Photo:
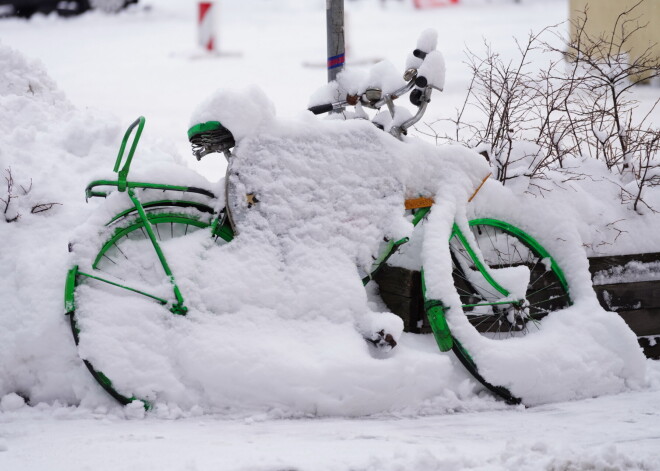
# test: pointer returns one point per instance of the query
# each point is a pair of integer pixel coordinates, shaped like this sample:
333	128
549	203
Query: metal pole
335	30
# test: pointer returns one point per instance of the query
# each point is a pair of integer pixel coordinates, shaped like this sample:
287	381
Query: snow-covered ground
424	411
608	433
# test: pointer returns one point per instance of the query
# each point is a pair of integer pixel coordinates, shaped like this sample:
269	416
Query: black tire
509	253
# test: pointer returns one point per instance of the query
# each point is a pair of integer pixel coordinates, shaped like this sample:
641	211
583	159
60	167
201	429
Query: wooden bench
623	284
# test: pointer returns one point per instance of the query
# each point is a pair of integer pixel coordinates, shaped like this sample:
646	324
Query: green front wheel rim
480	273
505	248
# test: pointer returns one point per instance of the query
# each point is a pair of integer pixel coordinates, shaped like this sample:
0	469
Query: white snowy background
61	120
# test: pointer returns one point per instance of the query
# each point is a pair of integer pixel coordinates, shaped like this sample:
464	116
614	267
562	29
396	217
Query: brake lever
394	95
423	101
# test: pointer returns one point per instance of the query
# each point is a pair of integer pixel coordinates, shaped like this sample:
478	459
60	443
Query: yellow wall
602	15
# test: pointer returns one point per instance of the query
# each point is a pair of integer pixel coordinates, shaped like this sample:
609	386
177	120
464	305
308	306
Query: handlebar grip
421	81
419	54
416	97
319	109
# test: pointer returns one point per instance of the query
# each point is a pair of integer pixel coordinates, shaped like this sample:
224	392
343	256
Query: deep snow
608	433
43	122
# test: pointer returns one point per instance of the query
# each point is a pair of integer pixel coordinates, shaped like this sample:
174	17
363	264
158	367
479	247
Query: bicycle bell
410	74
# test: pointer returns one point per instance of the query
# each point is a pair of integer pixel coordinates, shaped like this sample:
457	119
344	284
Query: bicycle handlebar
123	173
419	84
326	108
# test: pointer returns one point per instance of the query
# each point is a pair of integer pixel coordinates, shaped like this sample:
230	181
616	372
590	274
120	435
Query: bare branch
41	207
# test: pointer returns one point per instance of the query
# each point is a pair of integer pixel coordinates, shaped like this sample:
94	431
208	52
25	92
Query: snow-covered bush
277	317
580	104
17	198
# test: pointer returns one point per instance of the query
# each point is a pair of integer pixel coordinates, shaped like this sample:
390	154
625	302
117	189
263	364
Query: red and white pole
206	25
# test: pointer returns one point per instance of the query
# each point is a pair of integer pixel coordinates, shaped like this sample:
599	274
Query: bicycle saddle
209	137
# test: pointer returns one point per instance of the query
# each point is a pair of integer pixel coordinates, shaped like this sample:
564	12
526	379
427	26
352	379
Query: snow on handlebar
432	71
427	42
425	72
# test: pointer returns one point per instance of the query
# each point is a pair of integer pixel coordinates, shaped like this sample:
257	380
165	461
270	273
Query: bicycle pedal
251	199
383	341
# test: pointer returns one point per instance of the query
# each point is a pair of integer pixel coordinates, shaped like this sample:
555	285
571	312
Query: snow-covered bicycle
507	282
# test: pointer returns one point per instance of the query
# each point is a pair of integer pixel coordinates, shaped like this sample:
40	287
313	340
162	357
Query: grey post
335	31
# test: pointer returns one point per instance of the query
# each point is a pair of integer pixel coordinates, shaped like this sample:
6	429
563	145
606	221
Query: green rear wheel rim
74	280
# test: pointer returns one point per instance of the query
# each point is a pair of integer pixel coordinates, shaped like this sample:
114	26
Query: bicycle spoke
529	295
516	250
108	258
494	246
553	300
501	250
545	274
533	267
485	288
119	285
463	253
490	319
120	250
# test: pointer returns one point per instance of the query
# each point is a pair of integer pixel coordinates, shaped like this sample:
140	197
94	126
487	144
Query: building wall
602	15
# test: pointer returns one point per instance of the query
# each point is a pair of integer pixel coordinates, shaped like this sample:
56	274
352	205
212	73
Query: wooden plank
651	351
643	321
401	290
399	281
629	296
597	264
401	306
638	303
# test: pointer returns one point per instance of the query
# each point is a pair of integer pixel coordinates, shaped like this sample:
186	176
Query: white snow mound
276	317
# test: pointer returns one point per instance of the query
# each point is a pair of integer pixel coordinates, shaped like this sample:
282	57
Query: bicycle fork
178	308
435	309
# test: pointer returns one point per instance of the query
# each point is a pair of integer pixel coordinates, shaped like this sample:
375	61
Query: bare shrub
579	104
14	191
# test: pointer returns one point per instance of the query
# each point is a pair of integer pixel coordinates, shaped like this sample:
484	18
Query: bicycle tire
128	251
502	247
510	254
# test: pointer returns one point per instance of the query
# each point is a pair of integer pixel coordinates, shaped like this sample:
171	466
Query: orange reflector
479	188
417	203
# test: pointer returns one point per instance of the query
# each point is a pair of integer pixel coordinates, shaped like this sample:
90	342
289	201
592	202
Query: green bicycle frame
221	227
435	309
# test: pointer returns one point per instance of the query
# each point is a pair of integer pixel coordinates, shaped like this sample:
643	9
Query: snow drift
277	315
